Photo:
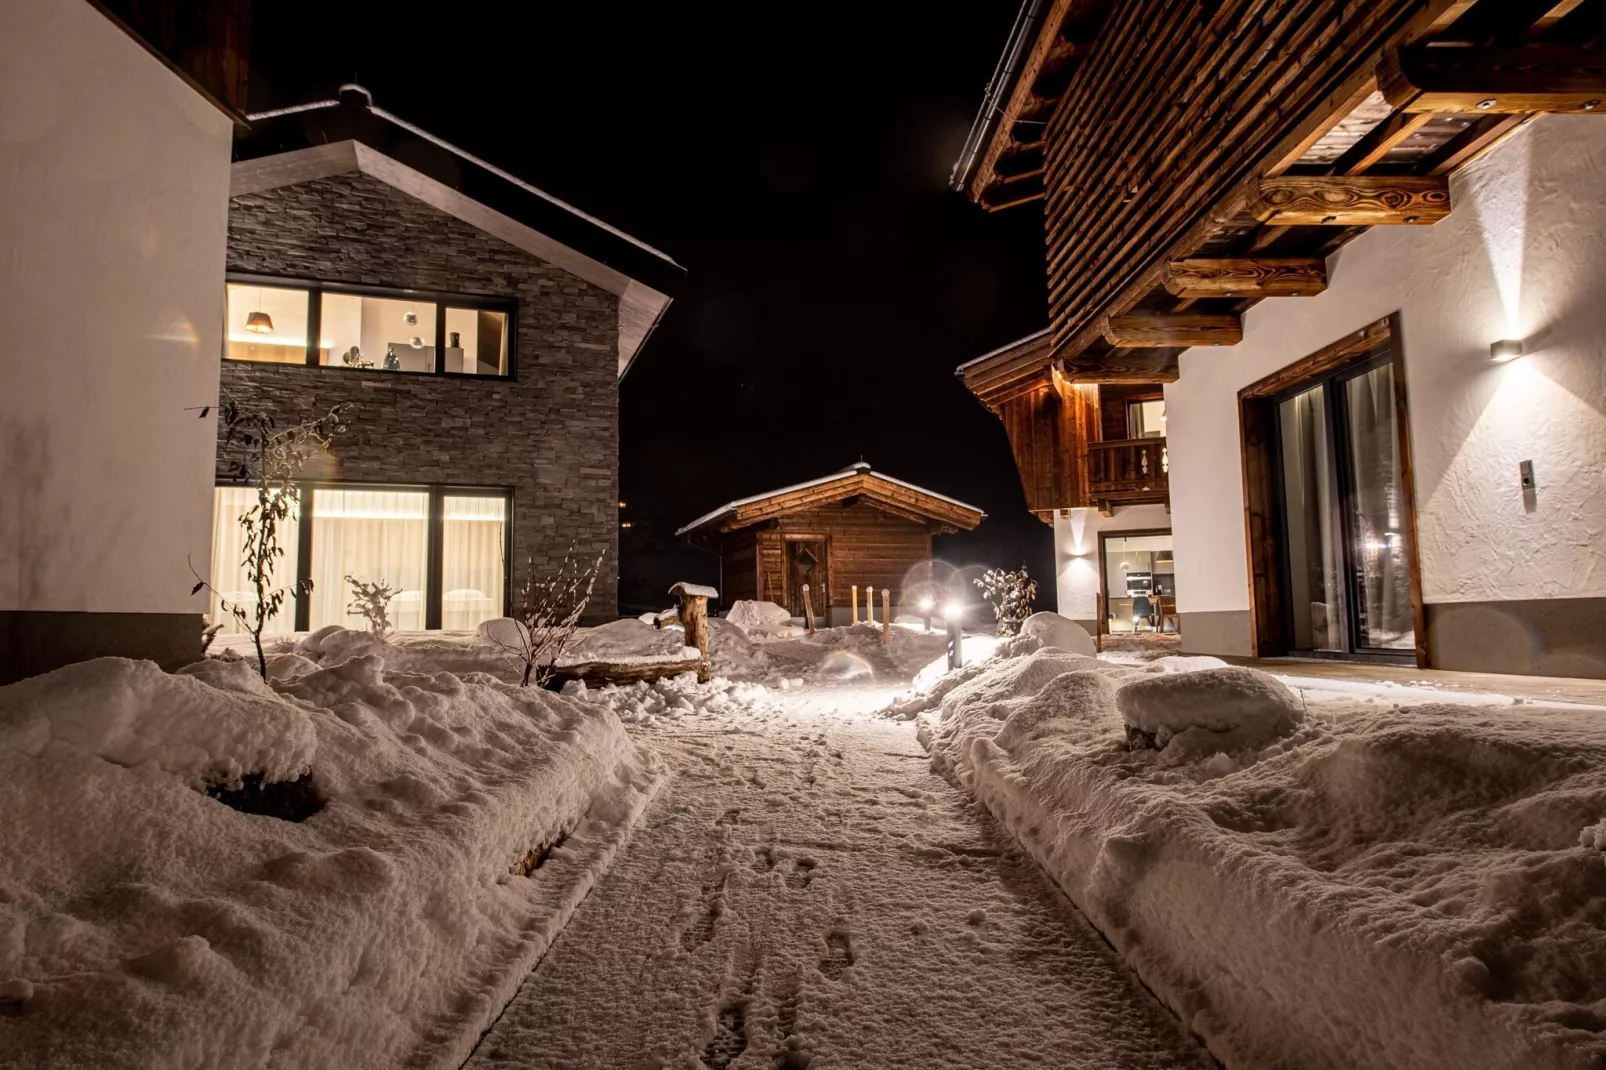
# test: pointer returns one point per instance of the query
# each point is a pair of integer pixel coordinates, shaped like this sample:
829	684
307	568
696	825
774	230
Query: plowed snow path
806	889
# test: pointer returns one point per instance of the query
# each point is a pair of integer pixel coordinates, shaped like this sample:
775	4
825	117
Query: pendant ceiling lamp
259	322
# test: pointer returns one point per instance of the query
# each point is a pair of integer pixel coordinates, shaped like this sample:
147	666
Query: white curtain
473	572
370	535
228	562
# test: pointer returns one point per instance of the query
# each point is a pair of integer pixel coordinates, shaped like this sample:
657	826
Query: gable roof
858	481
311	141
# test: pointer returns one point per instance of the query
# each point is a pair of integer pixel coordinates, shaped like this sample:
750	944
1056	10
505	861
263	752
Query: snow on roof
861	468
1006	347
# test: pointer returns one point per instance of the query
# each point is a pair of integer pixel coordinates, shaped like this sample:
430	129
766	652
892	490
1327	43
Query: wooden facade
1194	159
853	528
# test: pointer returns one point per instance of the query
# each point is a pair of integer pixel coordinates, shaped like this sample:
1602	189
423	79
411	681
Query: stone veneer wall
551	433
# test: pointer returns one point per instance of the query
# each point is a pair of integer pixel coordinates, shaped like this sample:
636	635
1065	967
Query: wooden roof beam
1302	277
1541	78
1379	142
1122	367
1351	201
1148	330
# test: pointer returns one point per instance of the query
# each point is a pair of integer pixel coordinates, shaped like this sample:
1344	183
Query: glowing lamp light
953	611
259	323
1506	349
926	605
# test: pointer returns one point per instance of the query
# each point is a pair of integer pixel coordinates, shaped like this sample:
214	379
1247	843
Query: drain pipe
999	87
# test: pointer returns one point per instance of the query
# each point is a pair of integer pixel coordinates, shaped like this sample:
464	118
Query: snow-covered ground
144	923
1308	872
1327	874
806	893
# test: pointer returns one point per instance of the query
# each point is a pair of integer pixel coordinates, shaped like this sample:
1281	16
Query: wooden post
694	618
808	609
886	614
855	603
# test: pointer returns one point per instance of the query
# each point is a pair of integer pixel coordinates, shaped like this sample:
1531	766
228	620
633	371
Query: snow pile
144	923
645	702
1051	629
131	713
628	640
759	620
1421	886
1189	716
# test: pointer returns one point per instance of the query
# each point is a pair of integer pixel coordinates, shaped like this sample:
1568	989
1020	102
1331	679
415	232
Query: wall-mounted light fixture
1505	349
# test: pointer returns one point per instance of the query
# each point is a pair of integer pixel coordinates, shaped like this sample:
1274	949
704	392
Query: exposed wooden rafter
1501	80
1299	277
1347	201
1172	331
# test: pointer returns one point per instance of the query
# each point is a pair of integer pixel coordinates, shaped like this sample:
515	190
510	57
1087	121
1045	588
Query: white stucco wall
1076	552
1523	254
114	179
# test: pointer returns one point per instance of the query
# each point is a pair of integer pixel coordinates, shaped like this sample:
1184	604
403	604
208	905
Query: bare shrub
371	602
1011	594
548	615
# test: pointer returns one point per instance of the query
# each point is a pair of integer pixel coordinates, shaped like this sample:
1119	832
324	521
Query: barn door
807	561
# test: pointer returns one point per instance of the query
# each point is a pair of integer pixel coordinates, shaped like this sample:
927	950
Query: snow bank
627	638
143	923
759	619
131	713
1373	886
1193	715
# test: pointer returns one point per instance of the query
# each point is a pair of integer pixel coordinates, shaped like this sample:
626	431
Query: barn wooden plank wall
866	547
1048	430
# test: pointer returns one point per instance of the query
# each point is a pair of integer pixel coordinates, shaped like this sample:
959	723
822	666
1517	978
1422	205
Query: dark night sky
795	161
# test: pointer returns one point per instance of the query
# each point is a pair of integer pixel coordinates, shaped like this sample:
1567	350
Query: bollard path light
954	614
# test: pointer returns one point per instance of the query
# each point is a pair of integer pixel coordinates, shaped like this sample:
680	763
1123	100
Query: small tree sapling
371	602
548	615
1011	594
267	457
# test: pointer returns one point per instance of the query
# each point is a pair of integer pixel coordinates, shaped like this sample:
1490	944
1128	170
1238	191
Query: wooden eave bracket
1351	200
1201	278
1533	78
1172	330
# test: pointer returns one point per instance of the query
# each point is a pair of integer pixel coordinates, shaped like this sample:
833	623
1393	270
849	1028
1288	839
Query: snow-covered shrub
1085	695
1192	715
759	618
549	613
1059	632
1011	594
371	602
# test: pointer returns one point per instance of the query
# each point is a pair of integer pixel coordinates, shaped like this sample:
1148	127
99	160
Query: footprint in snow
764	859
730	1037
802	873
839	955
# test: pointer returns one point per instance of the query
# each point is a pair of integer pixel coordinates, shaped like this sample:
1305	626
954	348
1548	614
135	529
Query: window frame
442	300
435	553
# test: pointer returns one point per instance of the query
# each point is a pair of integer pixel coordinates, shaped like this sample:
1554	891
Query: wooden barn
854	528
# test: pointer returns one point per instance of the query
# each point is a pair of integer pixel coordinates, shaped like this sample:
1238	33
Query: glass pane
266	323
371	535
1382	570
383	333
228	568
473	570
1146	419
1140	579
1308	511
476	341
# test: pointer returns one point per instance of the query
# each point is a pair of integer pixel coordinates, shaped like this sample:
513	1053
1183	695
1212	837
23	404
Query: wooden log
1153	330
886	615
1344	201
808	609
602	673
1301	277
1496	80
855	603
694	618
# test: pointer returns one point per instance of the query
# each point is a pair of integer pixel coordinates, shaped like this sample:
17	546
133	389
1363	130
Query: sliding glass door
443	550
1341	481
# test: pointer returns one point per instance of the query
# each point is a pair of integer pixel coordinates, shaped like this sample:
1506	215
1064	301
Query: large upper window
337	326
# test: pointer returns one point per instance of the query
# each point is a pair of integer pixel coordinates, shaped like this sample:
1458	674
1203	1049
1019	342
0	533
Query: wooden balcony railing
1128	472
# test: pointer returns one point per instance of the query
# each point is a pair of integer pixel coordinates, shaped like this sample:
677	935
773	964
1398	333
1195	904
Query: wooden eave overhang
854	486
1183	188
